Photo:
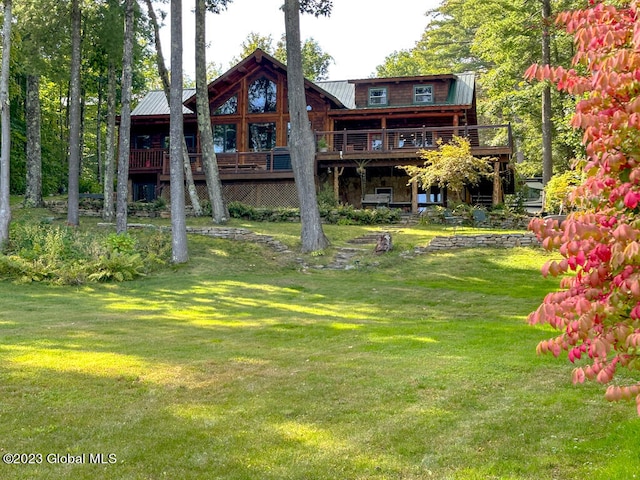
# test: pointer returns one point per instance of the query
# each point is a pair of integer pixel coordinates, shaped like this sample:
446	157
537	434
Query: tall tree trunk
125	121
547	127
73	213
33	193
301	141
99	171
219	212
5	125
164	77
179	248
108	212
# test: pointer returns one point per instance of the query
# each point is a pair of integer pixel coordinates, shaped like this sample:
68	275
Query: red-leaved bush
598	308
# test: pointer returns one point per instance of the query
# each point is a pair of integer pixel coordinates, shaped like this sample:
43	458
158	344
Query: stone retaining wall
509	240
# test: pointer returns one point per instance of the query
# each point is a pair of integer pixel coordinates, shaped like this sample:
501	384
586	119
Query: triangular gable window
229	107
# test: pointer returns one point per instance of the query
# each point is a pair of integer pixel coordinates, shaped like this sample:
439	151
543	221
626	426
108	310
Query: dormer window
423	94
377	96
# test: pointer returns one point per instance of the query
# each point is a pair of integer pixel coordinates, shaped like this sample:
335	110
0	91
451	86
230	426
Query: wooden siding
400	93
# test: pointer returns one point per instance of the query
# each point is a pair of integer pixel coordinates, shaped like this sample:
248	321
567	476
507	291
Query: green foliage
329	211
558	191
121	242
460	38
450	166
39	252
315	62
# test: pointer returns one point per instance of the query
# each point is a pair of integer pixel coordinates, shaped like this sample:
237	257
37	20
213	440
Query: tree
73	206
5	125
547	126
164	77
108	212
459	38
33	193
179	248
598	309
125	120
301	140
450	166
315	62
219	211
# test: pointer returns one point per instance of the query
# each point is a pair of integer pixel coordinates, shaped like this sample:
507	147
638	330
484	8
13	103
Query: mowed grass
243	366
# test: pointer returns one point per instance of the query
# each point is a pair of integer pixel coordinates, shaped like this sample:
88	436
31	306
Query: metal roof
155	103
463	88
342	90
460	93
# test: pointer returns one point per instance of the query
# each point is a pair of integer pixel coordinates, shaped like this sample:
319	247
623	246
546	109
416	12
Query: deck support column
336	185
414	197
497	185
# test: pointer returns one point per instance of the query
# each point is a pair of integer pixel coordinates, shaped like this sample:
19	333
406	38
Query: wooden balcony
382	146
387	146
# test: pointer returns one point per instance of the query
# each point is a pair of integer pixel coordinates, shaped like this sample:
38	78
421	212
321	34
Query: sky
359	34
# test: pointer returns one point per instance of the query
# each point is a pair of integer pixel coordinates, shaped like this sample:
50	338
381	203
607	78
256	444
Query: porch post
414	197
497	184
336	185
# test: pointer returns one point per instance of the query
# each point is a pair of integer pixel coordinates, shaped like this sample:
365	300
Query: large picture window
423	94
377	96
262	136
262	96
224	138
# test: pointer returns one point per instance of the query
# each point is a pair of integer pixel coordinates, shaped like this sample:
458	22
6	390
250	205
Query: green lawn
241	365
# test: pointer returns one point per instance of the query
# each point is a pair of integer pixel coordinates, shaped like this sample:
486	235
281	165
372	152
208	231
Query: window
262	136
423	94
189	140
262	96
378	96
142	142
229	107
224	138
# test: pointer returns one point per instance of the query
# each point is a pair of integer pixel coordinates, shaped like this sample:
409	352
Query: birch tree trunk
108	212
179	247
73	213
219	212
166	86
33	192
5	125
125	121
301	140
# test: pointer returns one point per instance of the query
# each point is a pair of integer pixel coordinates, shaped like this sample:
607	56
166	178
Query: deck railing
374	142
238	162
398	139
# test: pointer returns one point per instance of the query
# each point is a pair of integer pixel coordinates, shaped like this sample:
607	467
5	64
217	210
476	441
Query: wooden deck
381	147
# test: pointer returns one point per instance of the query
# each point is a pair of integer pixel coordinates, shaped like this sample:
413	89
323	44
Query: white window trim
416	94
384	97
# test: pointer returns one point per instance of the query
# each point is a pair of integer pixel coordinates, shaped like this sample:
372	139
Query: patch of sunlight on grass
216	252
100	364
70	360
205	414
249	361
7	322
401	338
309	434
345	326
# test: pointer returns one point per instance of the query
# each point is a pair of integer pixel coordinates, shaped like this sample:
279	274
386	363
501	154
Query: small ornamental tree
450	166
598	308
